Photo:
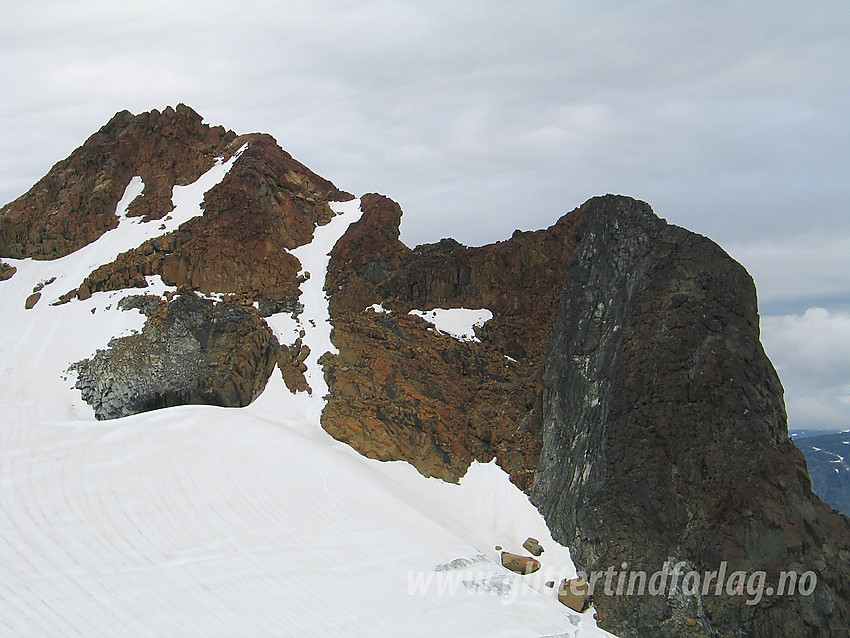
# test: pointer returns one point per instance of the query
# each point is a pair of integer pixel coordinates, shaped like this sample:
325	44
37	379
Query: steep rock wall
664	436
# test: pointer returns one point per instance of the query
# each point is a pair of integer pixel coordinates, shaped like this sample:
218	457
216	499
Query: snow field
206	521
315	320
203	521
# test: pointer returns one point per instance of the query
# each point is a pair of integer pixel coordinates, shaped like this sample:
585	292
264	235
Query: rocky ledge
190	351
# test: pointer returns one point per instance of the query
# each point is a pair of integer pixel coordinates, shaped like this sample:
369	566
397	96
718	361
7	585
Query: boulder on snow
575	594
533	545
520	564
6	271
29	304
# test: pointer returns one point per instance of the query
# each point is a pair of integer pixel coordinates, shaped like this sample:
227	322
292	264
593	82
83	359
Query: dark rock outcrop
664	436
190	351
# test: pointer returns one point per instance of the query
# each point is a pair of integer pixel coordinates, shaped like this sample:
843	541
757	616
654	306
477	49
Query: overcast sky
730	118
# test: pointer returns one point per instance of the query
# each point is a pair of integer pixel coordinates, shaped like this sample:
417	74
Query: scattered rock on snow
6	271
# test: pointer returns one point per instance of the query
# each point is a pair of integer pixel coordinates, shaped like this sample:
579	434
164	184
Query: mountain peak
610	364
75	202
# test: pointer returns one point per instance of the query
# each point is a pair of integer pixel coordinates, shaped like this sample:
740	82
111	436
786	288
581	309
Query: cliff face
400	391
190	351
620	381
664	435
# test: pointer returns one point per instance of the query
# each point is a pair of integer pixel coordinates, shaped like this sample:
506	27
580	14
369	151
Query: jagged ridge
620	381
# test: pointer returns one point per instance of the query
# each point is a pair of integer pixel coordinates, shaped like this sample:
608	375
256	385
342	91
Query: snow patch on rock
459	323
376	307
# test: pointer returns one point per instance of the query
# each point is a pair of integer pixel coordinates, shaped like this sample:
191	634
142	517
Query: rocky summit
610	363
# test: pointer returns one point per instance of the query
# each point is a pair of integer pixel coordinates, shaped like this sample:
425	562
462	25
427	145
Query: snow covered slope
205	521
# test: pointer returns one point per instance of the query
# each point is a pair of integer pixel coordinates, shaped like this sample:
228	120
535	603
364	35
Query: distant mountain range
827	457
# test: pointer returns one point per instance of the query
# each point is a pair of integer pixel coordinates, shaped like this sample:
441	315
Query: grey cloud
798	272
811	352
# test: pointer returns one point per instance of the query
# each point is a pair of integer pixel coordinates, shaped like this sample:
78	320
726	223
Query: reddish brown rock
75	202
292	367
267	204
368	254
400	391
575	594
520	564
